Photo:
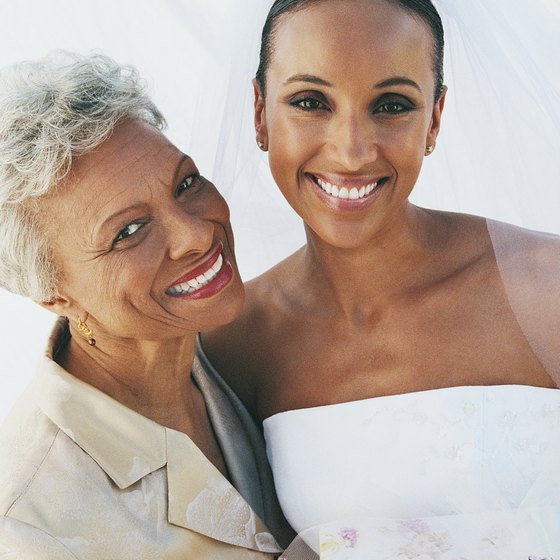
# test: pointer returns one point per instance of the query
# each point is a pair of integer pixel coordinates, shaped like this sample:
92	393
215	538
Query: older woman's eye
128	231
188	183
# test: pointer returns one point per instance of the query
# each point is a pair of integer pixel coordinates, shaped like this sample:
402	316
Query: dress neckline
412	394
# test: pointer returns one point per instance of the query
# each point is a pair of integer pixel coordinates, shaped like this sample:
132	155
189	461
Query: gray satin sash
242	445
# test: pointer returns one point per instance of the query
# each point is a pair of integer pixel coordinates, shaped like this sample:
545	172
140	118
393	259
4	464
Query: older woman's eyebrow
397	81
122	212
179	170
308	78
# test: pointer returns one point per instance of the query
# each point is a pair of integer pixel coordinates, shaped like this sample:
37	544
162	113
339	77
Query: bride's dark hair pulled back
422	9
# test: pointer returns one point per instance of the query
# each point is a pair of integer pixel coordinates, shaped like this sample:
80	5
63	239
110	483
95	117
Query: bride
405	360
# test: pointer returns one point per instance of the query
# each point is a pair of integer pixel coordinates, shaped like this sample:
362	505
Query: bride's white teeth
347	194
195	284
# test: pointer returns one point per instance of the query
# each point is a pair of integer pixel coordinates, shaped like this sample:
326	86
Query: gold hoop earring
86	331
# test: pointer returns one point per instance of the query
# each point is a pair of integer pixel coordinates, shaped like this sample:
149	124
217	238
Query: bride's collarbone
412	349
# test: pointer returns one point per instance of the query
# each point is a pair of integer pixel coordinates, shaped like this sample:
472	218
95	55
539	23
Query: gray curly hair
52	110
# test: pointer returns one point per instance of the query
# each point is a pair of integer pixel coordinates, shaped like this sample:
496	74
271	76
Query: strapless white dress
462	473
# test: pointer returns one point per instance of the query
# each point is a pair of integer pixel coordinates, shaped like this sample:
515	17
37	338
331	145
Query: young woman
406	380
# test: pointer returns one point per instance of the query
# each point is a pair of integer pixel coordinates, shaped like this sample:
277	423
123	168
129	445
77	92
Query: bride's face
348	113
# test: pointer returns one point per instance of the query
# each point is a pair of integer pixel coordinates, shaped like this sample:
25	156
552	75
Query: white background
199	56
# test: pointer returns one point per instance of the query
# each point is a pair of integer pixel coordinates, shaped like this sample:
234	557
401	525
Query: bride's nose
352	141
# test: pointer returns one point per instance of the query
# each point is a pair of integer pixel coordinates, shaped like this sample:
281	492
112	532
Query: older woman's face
143	241
348	114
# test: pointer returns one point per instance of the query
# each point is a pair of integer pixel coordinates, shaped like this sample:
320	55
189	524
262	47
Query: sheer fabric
495	155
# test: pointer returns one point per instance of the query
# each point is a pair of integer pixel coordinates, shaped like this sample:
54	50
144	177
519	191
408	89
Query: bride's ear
260	117
435	123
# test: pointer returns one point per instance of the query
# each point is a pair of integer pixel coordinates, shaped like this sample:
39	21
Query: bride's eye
393	107
308	104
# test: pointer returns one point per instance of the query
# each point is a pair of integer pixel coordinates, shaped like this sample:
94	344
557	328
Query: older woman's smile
205	280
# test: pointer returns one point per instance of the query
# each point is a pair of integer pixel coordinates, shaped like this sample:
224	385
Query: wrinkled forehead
136	155
133	145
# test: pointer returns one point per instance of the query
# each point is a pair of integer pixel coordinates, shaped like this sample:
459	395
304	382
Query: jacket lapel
202	500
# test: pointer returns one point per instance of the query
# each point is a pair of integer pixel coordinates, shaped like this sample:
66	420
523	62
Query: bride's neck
357	281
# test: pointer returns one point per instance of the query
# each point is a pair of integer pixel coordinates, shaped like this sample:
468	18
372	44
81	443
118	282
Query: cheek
124	278
404	146
210	205
291	142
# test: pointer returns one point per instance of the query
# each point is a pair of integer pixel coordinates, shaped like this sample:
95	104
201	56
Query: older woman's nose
188	233
352	141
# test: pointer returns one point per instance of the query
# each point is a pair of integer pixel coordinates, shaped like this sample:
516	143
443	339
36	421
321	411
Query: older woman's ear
58	305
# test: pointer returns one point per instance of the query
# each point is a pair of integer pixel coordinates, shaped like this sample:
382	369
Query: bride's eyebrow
307	78
397	81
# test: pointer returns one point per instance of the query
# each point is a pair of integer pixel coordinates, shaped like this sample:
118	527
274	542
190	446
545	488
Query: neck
357	282
150	377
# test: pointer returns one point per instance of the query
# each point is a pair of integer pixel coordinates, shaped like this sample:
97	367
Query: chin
228	308
343	236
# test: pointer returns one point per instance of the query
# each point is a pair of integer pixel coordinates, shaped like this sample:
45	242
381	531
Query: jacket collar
129	446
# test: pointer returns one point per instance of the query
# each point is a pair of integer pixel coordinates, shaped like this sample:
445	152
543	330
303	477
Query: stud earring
260	144
86	331
429	149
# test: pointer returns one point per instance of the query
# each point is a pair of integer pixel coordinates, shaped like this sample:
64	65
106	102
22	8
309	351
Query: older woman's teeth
196	283
348	194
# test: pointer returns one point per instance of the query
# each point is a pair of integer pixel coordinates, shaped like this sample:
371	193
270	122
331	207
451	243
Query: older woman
120	447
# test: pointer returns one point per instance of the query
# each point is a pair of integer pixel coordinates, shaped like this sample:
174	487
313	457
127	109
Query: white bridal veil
496	155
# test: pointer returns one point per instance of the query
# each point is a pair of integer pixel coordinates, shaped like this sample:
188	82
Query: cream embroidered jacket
83	477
